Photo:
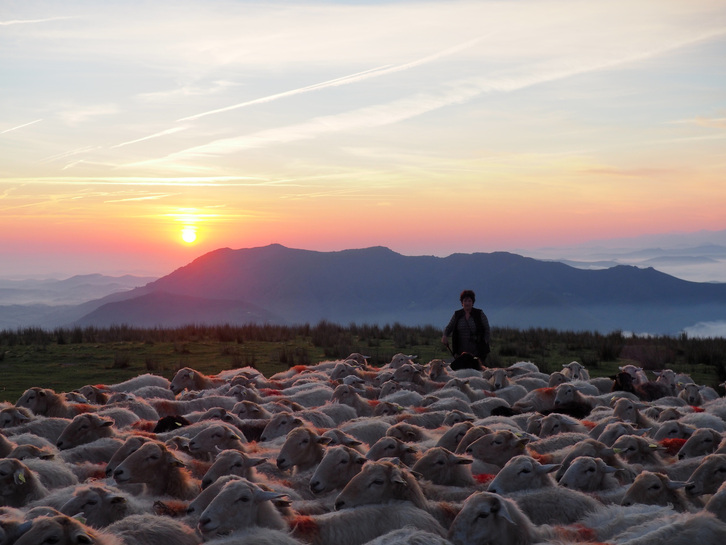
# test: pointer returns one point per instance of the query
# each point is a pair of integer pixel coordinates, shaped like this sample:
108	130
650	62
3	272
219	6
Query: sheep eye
590	470
377	482
655	487
91	502
51	539
483	515
243	499
439	462
525	471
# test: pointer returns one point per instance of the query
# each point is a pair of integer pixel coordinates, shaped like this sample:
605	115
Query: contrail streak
344	80
21	126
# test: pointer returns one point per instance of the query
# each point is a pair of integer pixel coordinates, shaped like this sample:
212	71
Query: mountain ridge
377	285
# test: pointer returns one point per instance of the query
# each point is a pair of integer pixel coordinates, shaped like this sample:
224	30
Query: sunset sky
428	127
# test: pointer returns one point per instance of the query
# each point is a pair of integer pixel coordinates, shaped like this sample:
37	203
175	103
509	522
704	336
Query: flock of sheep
342	453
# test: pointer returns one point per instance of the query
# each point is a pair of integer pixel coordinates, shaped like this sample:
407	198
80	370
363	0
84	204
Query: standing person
468	328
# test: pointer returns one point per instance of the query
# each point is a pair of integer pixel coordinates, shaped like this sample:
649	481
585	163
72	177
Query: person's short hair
469	294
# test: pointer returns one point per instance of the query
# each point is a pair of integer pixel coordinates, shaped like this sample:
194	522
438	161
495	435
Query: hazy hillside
377	285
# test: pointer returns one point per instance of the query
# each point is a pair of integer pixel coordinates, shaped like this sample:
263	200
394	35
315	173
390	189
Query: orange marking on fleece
270	392
541	458
673	445
588	424
198	468
483	478
170	508
420	410
696	409
304	526
299	368
144	425
373	402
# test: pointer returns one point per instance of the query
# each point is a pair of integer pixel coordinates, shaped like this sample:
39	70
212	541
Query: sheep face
146	465
35	399
131	445
380	482
703	441
61	530
521	473
231	462
497	448
215	438
99	505
302	448
279	425
392	447
443	467
652	489
83	429
708	476
489	519
588	474
338	466
236	506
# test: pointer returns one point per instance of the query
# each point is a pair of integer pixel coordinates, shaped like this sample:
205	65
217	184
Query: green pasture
65	360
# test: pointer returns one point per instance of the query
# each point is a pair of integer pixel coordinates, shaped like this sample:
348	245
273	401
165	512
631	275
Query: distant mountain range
275	284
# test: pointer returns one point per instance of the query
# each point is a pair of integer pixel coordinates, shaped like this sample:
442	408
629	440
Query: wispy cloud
455	92
344	80
21	126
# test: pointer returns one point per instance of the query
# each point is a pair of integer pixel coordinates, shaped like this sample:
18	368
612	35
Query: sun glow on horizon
189	234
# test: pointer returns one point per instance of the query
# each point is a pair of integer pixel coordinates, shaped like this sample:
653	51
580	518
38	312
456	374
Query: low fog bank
703	330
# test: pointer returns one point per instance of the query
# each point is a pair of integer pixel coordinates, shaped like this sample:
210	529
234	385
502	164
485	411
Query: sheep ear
107	422
118	500
462	460
297	421
548	468
617	450
256	461
397	477
264	495
323	440
500	508
610	469
19	477
675	485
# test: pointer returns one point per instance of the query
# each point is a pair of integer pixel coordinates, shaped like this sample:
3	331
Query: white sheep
238	505
215	437
443	467
384	482
46	402
303	449
703	441
588	474
232	462
653	488
708	476
522	473
159	470
490	519
338	466
392	447
101	504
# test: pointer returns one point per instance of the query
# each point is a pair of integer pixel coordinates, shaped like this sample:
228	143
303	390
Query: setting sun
189	234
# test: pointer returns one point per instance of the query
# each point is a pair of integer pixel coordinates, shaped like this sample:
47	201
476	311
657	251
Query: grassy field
65	360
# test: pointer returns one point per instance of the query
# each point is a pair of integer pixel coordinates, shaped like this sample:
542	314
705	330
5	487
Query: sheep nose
109	472
690	487
339	505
